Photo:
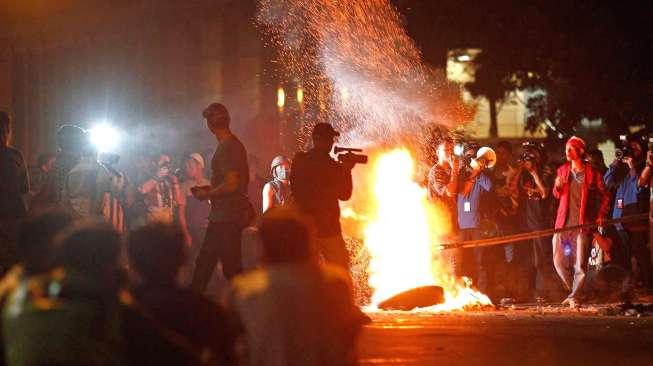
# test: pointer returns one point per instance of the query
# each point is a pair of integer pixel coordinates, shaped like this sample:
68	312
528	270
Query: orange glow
300	95
344	93
402	235
281	98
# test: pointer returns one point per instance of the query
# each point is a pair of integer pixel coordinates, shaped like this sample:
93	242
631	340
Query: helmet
71	138
278	160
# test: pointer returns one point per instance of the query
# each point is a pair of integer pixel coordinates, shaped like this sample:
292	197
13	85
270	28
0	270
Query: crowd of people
100	267
501	194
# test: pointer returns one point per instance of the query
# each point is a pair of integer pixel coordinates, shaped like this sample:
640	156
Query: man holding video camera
631	198
318	183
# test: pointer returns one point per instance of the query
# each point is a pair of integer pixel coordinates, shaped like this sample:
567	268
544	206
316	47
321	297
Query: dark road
506	338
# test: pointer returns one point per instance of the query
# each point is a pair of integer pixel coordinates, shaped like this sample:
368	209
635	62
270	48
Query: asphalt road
517	337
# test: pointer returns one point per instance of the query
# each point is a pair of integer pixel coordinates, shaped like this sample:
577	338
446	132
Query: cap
324	130
218	109
197	157
577	143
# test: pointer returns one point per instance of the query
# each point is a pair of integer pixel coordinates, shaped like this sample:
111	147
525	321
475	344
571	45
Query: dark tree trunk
494	127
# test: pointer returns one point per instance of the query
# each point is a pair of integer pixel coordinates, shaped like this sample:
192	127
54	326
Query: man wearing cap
579	187
318	183
231	210
277	191
193	213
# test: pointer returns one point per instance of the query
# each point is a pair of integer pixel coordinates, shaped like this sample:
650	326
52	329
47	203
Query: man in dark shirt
14	184
231	210
318	183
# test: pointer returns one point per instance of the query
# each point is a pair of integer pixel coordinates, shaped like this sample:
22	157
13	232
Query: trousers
221	243
570	263
334	250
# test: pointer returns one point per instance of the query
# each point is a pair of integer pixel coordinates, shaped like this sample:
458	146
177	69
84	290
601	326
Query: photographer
631	199
84	186
160	192
318	183
443	179
646	179
473	184
532	193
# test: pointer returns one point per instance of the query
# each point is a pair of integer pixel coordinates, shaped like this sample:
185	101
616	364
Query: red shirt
593	193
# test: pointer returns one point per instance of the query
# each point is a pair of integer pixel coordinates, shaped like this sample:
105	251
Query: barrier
537	234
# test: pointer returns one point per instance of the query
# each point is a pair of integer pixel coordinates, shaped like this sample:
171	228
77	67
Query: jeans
221	242
578	243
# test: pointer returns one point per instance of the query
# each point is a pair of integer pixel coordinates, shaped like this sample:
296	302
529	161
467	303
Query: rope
536	234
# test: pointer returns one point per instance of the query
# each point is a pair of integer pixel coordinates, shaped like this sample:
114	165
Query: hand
201	192
600	221
455	164
558	183
629	161
649	158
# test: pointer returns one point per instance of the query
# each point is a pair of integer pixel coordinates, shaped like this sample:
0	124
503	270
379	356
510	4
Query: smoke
355	60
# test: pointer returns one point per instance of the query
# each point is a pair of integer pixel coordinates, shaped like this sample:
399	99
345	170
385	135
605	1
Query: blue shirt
628	189
468	206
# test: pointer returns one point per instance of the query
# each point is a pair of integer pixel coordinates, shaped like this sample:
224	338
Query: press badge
620	203
467	206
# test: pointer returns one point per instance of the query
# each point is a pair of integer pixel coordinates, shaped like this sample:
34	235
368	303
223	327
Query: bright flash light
458	149
104	137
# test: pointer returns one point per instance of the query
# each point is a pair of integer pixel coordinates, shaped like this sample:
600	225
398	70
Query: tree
591	58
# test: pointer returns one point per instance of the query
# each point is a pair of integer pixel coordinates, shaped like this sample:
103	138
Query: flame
402	235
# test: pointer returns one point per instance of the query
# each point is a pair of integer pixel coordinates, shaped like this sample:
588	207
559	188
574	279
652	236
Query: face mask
281	173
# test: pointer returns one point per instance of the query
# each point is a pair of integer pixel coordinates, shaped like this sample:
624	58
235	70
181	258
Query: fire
402	235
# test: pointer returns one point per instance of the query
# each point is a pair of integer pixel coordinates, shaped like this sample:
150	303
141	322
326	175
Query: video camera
109	160
466	151
346	155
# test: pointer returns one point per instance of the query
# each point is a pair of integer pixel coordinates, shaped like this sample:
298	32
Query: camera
346	155
624	151
531	152
179	174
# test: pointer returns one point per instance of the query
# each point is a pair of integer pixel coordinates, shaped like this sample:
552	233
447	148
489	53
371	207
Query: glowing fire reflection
401	237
